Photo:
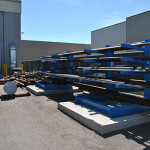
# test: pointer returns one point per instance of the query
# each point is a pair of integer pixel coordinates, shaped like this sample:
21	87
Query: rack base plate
39	92
113	108
98	121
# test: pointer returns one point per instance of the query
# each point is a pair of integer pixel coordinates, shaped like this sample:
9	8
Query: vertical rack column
109	73
147	75
0	55
57	64
70	65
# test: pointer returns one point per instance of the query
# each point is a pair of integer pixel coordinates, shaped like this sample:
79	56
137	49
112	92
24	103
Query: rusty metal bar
15	95
141	57
105	59
127	81
122	96
118	48
115	70
107	49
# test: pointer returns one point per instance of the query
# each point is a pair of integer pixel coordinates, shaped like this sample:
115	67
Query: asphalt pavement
35	123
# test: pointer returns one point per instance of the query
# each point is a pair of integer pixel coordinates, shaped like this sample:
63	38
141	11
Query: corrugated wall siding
138	27
12	35
1	39
111	35
10	6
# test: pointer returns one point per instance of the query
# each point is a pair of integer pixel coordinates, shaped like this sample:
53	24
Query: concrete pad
39	92
98	121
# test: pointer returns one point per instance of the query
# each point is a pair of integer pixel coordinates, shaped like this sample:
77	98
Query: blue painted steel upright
113	110
110	74
70	65
58	64
56	56
147	75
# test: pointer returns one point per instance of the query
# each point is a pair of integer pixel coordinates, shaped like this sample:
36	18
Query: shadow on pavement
61	97
140	134
7	99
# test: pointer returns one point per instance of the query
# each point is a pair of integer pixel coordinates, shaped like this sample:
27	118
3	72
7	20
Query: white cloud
115	17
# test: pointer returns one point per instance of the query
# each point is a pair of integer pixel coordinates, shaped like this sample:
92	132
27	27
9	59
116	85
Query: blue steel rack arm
146	41
93	51
46	57
132	46
133	60
92	61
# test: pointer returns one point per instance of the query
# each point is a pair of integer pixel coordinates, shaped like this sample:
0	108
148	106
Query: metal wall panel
8	6
111	35
138	27
1	39
12	35
0	55
32	50
1	25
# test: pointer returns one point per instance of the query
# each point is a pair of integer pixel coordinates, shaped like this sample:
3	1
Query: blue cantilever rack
112	108
146	51
52	68
98	102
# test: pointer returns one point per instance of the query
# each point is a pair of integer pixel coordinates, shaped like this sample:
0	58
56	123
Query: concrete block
98	121
39	92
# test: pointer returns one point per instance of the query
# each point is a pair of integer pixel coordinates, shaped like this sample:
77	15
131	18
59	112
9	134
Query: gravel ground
35	123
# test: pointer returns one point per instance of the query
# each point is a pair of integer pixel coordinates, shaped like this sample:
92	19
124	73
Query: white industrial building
10	33
136	28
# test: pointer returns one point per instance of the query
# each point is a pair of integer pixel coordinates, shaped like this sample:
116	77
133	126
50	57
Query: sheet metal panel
138	27
111	35
1	39
12	35
10	6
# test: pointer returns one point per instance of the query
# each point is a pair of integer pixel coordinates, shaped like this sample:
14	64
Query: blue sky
73	20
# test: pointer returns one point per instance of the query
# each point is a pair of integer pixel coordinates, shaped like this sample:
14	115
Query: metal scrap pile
21	79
